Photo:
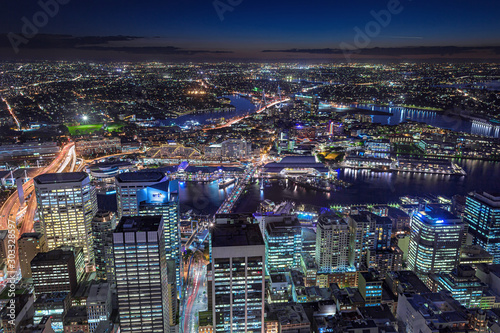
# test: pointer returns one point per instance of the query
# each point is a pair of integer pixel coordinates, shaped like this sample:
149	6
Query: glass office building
67	204
435	240
482	214
238	254
283	245
141	274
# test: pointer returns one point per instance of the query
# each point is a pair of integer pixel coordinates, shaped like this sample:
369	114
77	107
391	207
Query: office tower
482	214
332	243
235	149
141	274
98	305
383	232
103	224
55	305
67	203
283	241
435	241
238	254
30	244
463	284
370	287
163	199
362	229
127	185
57	270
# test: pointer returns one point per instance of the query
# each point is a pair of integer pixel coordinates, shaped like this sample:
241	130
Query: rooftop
225	235
138	223
55	256
68	177
140	176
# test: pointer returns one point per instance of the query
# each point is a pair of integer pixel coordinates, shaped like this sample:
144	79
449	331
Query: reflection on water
383	187
242	106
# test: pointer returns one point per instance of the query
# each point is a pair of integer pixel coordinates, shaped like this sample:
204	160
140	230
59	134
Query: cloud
123	44
400	51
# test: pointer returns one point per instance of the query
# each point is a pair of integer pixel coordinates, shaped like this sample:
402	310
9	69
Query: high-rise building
235	148
362	230
163	199
67	203
127	185
141	274
30	244
238	254
463	284
383	232
283	244
103	224
55	305
98	305
57	270
332	243
435	240
482	214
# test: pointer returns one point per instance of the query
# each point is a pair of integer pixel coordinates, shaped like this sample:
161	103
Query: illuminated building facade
141	274
463	284
482	214
332	243
67	204
238	287
362	232
103	224
435	240
127	186
57	270
283	245
30	244
163	199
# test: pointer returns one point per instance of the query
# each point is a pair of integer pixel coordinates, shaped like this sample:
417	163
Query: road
10	208
196	297
234	121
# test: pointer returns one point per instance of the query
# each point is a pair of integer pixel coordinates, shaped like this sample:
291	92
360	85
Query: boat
226	182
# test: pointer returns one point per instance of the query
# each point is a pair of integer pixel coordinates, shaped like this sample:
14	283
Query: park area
90	128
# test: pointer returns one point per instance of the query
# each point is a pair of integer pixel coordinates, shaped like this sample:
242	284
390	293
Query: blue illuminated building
482	214
435	240
163	199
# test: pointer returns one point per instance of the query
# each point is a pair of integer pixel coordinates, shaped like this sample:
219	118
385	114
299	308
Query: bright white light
85	117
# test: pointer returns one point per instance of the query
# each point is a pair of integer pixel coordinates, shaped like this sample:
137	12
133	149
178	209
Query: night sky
297	29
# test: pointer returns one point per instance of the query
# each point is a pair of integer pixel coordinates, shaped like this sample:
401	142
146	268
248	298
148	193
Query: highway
10	208
196	297
236	120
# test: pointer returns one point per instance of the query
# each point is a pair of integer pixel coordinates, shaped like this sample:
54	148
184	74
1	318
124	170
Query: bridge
235	194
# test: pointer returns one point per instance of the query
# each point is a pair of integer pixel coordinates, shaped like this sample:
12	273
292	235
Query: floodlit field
90	128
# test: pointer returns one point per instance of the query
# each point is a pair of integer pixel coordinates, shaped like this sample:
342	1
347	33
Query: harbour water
242	106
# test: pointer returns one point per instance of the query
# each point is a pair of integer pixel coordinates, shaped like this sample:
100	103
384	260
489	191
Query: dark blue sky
255	25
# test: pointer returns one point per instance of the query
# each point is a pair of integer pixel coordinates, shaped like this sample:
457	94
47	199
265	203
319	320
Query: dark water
242	105
380	188
437	119
368	187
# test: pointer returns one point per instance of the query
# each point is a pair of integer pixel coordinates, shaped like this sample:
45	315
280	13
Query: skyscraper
127	185
332	243
283	244
103	225
57	270
163	199
67	203
482	214
435	241
362	229
141	274
238	254
29	245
